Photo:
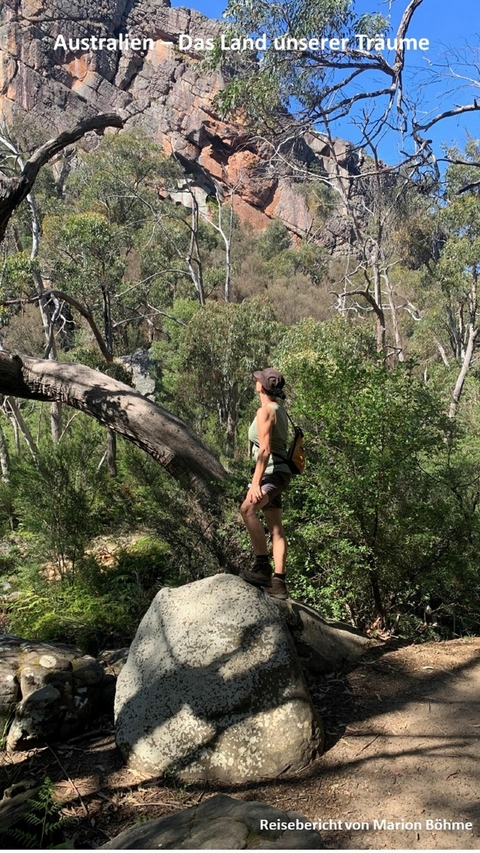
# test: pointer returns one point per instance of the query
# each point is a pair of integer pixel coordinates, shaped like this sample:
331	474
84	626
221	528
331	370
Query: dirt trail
410	751
403	745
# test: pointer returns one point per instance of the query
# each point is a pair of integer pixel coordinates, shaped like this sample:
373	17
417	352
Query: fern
43	816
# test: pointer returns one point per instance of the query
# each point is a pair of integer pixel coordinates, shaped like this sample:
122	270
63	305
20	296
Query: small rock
50	690
36	718
48	661
323	645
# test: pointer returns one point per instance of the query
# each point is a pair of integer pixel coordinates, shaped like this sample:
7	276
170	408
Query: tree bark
473	330
23	426
111	453
393	310
232	417
152	428
457	391
4	458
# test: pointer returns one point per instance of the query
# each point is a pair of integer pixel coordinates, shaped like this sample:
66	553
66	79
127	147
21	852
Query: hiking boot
260	575
278	588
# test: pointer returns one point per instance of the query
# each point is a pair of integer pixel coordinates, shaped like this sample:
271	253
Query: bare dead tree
333	91
224	198
45	313
473	330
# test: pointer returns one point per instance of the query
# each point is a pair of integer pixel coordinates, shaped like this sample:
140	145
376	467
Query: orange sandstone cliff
159	88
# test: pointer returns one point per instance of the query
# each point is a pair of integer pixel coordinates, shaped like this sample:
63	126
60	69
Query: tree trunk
457	391
467	358
111	453
45	313
4	458
22	426
56	422
377	596
152	428
377	291
393	310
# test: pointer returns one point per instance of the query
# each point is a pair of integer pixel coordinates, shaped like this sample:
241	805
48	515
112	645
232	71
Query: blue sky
447	24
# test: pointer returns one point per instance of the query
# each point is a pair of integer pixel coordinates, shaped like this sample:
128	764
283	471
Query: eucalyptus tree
458	267
208	363
387	516
323	62
18	174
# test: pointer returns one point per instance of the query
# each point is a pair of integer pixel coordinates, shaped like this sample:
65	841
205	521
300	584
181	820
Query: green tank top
279	441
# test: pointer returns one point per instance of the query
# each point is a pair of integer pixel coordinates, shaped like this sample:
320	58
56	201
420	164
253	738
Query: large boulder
213	689
47	692
222	823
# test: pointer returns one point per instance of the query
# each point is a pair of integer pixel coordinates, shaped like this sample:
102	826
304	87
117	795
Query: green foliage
41	825
373	25
17	274
86	253
62	498
121	178
378	519
158	504
102	608
275	239
444	242
387	513
209	379
262	91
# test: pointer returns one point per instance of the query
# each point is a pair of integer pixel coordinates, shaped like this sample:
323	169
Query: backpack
296	451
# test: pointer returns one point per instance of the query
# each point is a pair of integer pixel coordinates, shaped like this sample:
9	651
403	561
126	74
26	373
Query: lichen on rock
213	688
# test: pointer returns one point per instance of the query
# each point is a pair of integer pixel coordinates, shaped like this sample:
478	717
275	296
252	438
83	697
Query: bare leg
254	526
273	517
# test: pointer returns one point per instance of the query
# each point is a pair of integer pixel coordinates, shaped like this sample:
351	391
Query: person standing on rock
267	438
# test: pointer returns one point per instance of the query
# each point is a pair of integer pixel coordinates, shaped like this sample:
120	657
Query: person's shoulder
266	413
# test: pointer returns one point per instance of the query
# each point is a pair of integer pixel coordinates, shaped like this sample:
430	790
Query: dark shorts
273	485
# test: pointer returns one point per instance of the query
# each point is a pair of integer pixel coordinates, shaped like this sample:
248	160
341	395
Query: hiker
267	438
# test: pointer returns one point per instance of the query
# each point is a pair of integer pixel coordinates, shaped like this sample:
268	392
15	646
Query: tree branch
14	190
467	108
70	300
152	428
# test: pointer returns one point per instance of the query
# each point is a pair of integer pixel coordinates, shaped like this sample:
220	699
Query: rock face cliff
156	87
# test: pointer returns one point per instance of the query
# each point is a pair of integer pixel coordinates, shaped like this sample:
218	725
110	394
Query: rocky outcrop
156	87
47	692
222	823
323	645
51	691
213	689
140	366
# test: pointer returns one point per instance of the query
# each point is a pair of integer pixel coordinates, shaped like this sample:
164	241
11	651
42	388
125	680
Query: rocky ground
403	747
